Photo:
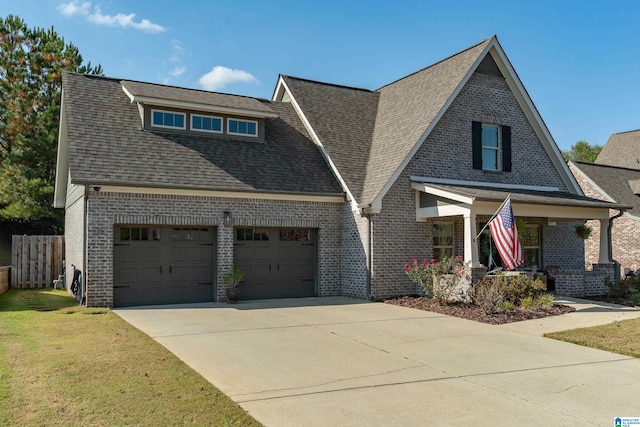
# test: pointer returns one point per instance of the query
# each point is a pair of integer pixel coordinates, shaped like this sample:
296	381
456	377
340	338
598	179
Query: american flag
505	235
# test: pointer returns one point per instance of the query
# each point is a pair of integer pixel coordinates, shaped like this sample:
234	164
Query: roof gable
622	150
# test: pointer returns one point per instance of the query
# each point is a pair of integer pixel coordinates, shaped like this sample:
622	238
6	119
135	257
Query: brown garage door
163	265
278	263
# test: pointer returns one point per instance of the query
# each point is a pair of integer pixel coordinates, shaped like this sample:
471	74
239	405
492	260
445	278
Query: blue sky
579	60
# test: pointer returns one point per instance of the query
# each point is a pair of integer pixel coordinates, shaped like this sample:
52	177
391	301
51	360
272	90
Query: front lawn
65	365
618	337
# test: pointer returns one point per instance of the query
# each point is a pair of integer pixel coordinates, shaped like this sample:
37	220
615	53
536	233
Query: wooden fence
36	261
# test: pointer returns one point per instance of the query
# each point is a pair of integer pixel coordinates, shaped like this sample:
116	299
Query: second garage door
277	262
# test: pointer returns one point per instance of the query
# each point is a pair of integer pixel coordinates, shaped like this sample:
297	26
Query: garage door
163	265
278	263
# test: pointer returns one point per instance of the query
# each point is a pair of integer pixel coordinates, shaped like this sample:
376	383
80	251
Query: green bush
545	300
507	306
635	298
528	303
619	289
489	293
520	287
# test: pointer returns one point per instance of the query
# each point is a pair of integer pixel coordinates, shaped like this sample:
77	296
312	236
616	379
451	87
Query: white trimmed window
168	119
206	123
531	245
442	240
490	147
242	127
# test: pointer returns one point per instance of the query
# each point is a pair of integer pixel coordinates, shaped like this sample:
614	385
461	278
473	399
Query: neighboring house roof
622	150
619	184
370	136
107	146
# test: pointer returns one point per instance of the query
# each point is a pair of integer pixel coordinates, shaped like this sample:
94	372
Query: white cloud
220	76
178	50
178	71
74	8
118	20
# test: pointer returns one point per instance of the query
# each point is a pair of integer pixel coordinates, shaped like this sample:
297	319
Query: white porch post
470	245
603	257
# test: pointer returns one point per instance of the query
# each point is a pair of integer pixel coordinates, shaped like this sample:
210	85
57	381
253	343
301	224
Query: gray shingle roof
622	150
616	182
172	93
343	118
368	134
108	146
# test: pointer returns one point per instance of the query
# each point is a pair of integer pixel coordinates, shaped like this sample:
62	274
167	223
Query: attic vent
488	66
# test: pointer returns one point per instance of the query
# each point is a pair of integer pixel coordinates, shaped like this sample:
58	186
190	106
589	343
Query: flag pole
493	217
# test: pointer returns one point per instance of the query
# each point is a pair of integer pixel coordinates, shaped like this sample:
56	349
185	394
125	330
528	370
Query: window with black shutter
491	147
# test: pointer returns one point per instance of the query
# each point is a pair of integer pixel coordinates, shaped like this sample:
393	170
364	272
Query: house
615	176
323	190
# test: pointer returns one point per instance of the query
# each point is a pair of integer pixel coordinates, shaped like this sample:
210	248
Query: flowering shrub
439	279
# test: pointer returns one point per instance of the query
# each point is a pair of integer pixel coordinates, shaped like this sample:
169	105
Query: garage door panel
163	269
281	267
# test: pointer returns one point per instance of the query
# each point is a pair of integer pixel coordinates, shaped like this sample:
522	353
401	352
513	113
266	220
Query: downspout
616	264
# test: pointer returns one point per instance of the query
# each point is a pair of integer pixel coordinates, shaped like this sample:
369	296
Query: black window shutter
476	144
506	148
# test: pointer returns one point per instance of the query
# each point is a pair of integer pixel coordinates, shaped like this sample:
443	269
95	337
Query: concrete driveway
339	361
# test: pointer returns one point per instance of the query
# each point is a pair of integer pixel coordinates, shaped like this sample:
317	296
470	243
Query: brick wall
625	234
580	283
353	253
447	153
108	209
4	279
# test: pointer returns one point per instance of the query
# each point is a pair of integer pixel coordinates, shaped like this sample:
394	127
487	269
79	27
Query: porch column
470	245
603	257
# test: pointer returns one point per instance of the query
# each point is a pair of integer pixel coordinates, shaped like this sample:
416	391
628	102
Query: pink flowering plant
439	279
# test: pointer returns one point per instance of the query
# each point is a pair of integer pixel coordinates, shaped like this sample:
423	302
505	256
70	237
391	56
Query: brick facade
398	237
105	210
74	239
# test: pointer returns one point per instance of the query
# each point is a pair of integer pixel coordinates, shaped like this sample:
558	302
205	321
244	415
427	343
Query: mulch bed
611	300
473	312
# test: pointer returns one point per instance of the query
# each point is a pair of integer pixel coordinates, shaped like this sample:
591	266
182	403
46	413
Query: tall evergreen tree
31	65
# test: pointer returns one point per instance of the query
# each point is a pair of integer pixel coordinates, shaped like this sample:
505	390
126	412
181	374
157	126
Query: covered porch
547	215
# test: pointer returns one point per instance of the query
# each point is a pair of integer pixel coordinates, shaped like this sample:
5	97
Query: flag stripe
505	235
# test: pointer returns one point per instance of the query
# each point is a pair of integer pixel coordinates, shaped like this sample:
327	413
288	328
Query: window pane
197	122
242	127
156	234
206	123
157	118
216	125
233	126
443	234
144	234
179	120
531	236
251	129
124	234
531	257
135	234
489	136
489	159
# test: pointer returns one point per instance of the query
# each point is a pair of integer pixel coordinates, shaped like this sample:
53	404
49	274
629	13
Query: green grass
65	365
618	337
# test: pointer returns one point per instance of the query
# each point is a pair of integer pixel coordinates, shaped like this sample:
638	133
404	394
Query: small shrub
507	306
545	300
439	279
520	287
489	293
635	298
618	289
528	303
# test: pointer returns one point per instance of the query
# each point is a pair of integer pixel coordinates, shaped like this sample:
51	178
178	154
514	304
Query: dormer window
168	119
242	127
206	123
